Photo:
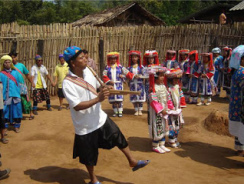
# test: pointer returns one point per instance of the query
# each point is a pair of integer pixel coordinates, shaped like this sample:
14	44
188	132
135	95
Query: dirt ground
42	151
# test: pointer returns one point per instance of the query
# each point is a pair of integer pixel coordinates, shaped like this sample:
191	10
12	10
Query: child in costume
150	59
114	74
226	71
183	63
136	84
236	108
206	72
193	66
175	119
159	105
218	65
170	60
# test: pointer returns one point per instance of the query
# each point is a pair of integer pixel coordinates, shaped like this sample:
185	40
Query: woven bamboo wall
51	40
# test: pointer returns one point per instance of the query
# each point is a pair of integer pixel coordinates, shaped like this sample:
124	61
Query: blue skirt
13	111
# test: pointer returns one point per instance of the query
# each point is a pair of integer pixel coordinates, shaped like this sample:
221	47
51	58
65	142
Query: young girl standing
136	84
150	59
193	66
159	105
170	60
226	70
206	71
114	74
183	63
176	94
218	65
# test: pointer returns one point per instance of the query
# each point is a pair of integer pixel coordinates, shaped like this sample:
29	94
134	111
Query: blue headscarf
236	55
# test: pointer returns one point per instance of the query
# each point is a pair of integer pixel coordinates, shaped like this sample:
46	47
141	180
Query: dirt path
42	152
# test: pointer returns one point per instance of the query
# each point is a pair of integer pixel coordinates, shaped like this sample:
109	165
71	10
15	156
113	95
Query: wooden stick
113	91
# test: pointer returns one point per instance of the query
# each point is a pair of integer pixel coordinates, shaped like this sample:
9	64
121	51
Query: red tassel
151	84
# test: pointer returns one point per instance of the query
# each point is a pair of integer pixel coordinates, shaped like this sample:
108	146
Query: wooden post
40	47
14	46
101	56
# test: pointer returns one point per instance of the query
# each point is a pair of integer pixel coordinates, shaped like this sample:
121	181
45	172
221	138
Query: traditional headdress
184	51
150	53
113	55
229	51
216	50
153	73
4	58
134	52
71	53
174	73
210	64
236	55
170	52
194	52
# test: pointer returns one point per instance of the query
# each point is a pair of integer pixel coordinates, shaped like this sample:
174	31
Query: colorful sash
10	76
82	83
19	71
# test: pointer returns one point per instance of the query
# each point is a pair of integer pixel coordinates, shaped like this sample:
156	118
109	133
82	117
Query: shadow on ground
50	174
209	154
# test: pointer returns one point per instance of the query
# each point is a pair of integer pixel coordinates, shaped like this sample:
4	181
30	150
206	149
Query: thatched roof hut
127	15
237	12
207	15
238	7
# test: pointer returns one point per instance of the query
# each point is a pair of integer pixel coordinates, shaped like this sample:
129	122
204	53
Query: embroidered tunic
158	101
113	74
193	81
205	84
137	85
185	79
175	120
171	64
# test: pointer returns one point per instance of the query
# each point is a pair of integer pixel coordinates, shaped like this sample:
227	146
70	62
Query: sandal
4	141
31	117
140	164
17	130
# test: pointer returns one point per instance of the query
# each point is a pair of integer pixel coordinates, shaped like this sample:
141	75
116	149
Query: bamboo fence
51	40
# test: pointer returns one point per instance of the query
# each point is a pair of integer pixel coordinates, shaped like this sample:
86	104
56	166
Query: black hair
85	51
193	55
232	71
170	80
74	57
13	53
156	76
